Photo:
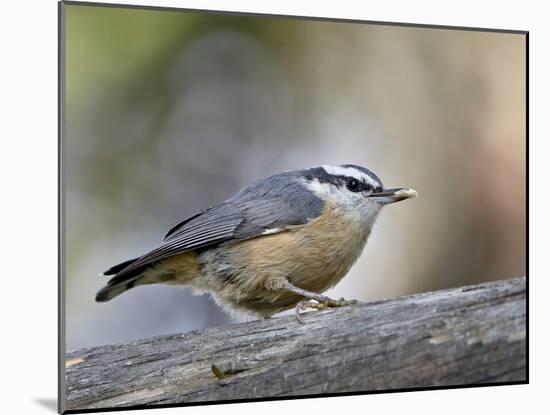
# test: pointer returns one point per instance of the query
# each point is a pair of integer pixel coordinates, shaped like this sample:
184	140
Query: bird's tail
118	284
115	269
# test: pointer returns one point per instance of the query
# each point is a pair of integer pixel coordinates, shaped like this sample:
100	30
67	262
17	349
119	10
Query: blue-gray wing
242	217
277	202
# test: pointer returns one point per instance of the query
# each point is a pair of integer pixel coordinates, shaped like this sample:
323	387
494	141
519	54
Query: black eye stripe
355	185
320	174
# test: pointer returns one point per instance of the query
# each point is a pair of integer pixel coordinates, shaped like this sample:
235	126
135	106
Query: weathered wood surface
474	334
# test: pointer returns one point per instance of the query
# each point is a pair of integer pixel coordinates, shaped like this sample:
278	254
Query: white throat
355	206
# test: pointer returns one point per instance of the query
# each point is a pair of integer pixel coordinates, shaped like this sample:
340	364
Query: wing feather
242	217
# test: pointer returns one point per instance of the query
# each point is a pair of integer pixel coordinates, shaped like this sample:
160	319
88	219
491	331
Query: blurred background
170	112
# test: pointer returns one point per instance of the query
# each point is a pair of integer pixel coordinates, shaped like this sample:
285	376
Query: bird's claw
321	305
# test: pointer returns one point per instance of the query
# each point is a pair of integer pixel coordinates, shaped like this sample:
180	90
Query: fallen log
469	335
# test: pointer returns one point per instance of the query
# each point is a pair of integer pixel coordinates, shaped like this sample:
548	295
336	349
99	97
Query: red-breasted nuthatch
278	242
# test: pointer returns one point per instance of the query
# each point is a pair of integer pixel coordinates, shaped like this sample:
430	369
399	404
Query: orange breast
313	257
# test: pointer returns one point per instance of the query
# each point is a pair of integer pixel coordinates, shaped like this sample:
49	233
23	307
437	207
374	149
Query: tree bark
469	335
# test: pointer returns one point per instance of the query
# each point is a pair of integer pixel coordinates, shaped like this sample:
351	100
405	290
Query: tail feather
120	283
115	269
111	291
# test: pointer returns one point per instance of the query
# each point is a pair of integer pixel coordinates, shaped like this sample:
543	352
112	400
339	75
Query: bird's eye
353	185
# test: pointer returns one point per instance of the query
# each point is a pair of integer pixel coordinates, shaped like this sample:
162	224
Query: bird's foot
321	305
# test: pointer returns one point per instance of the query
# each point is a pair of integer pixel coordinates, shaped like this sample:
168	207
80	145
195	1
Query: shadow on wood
474	334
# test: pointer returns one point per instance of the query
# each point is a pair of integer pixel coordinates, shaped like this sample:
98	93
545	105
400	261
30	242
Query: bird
277	244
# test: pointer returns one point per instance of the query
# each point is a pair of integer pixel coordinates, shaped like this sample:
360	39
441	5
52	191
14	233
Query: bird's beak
388	196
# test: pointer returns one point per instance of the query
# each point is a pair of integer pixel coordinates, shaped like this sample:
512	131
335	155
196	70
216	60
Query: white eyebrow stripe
350	172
